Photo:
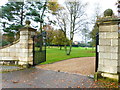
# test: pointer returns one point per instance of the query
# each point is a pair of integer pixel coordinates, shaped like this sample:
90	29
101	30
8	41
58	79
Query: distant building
76	42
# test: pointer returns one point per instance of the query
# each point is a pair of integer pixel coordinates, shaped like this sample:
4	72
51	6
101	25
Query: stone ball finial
27	23
108	12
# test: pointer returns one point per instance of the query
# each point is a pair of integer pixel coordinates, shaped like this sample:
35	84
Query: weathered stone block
24	51
107	42
114	49
106	69
7	54
7	58
4	54
30	54
111	63
101	55
30	58
114	42
107	49
23	55
114	35
1	54
107	55
101	61
24	32
106	28
104	55
12	50
102	35
114	28
100	67
114	55
101	48
12	54
23	58
111	76
108	35
113	70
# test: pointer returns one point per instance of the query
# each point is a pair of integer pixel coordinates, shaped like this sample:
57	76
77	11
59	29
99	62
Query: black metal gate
97	53
39	48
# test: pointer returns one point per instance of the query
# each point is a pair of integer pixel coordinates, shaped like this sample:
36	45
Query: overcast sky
103	4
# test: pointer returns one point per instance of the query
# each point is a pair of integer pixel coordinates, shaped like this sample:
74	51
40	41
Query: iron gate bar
33	51
97	53
39	48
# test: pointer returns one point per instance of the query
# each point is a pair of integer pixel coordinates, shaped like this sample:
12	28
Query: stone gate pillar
26	45
109	47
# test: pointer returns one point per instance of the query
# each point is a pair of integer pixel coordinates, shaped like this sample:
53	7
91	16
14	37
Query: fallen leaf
15	81
112	84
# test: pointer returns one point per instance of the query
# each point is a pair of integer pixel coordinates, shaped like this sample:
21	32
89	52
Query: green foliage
12	18
93	35
55	37
55	55
83	45
59	38
4	43
35	10
13	11
54	7
9	37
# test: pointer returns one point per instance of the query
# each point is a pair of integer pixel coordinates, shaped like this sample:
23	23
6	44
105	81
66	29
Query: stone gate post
26	45
109	48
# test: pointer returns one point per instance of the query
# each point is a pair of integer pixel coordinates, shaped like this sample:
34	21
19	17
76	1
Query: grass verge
55	55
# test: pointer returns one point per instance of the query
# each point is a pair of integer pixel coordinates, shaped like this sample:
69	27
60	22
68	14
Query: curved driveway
83	66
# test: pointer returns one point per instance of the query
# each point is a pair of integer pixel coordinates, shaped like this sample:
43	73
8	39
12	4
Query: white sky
104	4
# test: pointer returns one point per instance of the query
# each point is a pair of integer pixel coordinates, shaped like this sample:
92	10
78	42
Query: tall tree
12	18
14	13
49	36
71	19
59	38
36	12
85	33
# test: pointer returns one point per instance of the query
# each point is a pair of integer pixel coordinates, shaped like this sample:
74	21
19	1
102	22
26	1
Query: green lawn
54	54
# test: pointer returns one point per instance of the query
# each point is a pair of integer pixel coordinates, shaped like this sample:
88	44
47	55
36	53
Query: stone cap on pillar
28	27
108	20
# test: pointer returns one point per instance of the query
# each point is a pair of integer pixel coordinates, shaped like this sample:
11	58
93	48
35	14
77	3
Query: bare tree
85	33
71	19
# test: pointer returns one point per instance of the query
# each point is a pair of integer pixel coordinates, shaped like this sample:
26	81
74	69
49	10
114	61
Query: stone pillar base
24	64
113	77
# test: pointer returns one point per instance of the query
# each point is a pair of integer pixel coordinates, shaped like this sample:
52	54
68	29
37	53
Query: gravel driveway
82	66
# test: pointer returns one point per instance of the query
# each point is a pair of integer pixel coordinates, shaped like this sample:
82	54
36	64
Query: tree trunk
21	17
60	47
69	50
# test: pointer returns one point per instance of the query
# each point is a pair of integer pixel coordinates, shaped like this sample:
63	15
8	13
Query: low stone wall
10	52
21	50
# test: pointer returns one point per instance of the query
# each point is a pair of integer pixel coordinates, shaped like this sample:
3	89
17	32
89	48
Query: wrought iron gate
39	48
97	53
